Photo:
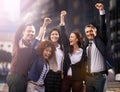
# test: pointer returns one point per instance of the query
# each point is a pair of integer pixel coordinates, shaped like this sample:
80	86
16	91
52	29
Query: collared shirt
75	58
59	57
102	12
97	61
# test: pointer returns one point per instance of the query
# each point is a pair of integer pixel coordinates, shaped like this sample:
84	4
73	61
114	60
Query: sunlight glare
12	8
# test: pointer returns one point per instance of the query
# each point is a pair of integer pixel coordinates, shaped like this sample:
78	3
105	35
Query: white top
43	74
97	60
102	12
59	57
75	58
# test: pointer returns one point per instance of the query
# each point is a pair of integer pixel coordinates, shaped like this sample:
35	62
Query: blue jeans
95	83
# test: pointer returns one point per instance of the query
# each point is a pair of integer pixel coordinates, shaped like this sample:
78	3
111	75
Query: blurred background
79	13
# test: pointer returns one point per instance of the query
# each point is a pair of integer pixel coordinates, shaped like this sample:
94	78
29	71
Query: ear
94	31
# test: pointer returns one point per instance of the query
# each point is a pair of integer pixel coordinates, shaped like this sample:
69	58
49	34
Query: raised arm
64	37
43	27
39	38
41	32
103	31
62	18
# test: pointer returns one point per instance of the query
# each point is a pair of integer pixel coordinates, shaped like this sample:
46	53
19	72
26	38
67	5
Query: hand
63	13
43	27
99	6
62	17
47	20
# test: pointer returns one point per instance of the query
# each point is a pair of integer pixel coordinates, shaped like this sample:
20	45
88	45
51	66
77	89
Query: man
21	56
98	61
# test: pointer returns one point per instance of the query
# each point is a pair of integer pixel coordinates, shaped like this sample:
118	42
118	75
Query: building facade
115	34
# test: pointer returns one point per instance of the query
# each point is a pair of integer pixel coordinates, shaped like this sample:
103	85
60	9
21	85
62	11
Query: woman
74	61
45	50
54	77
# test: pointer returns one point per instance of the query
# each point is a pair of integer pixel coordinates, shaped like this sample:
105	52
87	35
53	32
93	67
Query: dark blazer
37	64
36	70
78	69
101	43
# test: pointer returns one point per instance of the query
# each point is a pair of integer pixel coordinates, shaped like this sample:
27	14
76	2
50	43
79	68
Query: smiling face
54	36
29	33
47	52
73	39
89	33
46	49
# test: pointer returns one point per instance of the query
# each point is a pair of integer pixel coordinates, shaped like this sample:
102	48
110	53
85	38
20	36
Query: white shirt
75	58
97	60
59	57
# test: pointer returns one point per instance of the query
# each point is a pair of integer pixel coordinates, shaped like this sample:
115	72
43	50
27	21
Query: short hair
19	32
93	26
18	36
43	45
89	25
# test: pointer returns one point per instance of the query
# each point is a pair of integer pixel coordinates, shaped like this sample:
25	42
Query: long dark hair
80	40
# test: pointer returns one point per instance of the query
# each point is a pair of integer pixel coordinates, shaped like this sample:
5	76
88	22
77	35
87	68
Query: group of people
59	63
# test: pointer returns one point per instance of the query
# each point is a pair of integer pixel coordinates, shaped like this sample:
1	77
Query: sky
9	16
10	10
11	13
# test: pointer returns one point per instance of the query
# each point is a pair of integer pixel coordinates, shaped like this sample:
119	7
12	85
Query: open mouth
71	42
46	57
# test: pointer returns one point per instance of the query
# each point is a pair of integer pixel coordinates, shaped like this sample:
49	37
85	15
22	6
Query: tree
5	56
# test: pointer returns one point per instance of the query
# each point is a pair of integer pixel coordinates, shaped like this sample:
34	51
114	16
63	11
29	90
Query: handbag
35	87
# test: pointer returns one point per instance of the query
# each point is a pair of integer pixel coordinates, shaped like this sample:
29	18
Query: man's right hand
99	6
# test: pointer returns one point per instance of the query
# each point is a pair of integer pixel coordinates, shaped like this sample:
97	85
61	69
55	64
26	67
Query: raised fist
47	20
63	13
99	6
